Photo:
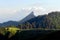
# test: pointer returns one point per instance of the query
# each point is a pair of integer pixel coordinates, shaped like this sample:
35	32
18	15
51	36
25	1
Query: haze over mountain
16	15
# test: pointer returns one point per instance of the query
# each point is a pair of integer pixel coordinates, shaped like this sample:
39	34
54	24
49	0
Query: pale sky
17	9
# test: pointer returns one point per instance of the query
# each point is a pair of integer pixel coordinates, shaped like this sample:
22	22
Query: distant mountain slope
16	23
9	23
28	17
52	20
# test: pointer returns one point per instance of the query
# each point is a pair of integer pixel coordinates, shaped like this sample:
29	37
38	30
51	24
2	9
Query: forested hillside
50	21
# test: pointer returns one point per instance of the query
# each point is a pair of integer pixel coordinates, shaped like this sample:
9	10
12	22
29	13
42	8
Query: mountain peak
31	14
28	17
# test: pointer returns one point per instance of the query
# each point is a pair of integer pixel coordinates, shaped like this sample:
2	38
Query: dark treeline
32	35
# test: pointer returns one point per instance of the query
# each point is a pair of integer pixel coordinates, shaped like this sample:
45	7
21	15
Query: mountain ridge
16	23
50	21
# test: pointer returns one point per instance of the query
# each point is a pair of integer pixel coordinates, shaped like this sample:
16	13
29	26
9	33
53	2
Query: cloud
37	10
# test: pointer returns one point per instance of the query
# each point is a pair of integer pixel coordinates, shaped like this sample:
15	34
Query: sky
16	10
